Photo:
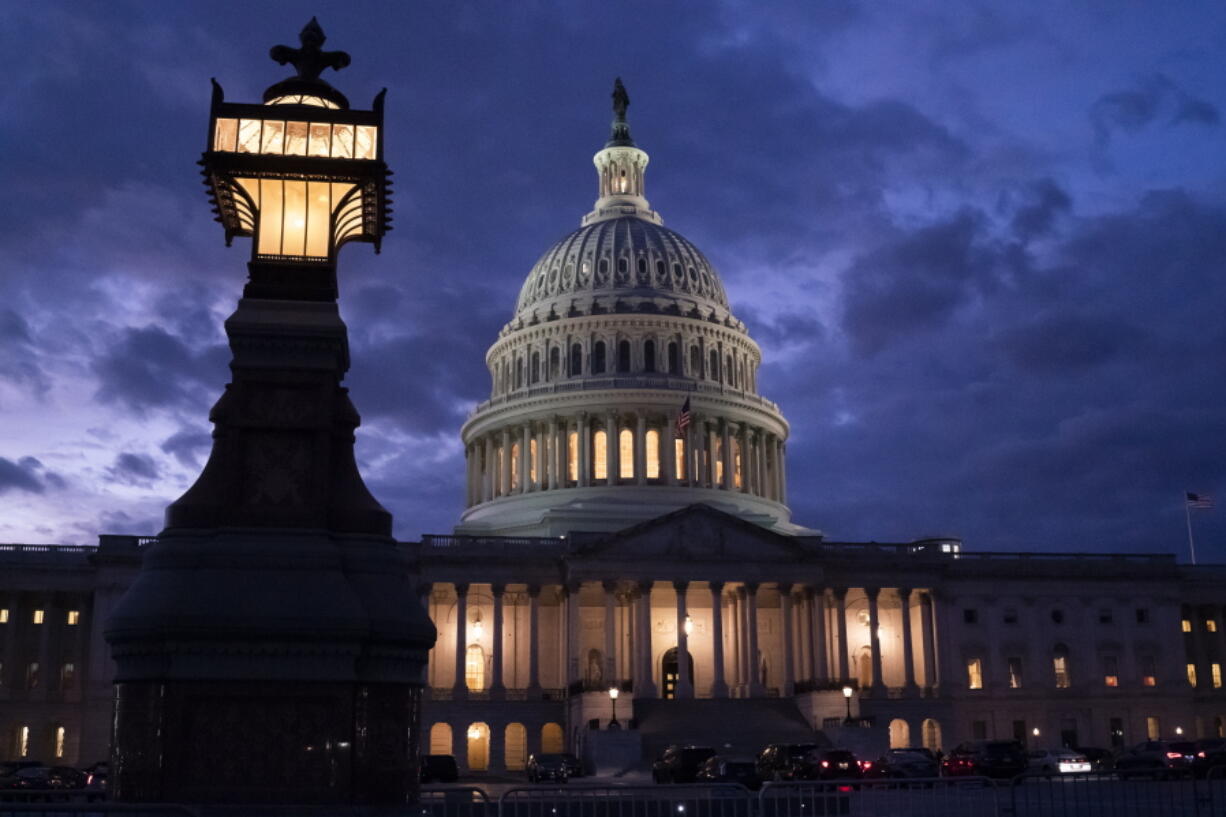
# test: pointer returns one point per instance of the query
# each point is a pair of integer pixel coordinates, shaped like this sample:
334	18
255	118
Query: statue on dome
310	60
621	100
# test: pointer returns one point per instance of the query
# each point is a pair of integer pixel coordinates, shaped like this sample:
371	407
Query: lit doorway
670	672
478	747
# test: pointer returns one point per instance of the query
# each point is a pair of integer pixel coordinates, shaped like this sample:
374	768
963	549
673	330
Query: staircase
747	724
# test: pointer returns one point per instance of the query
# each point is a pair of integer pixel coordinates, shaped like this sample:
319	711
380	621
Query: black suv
680	764
784	761
986	758
439	769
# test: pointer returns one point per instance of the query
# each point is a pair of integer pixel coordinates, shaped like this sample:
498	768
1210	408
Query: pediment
697	533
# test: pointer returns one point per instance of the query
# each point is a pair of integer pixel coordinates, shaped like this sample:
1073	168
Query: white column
612	447
821	651
729	460
685	684
460	688
746	460
534	638
840	612
610	626
585	450
525	453
874	640
644	683
505	487
640	450
908	650
719	687
783	471
751	605
497	687
572	631
487	473
789	677
926	635
556	462
742	626
804	628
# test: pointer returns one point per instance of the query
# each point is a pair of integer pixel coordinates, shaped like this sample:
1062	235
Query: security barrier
455	801
683	800
935	797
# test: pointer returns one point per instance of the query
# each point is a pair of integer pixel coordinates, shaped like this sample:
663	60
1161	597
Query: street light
613	693
847	690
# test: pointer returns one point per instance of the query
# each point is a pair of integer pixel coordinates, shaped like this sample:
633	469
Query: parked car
832	764
1101	760
1157	758
574	766
439	769
679	763
548	767
1057	761
1210	753
43	778
905	763
985	758
784	761
728	769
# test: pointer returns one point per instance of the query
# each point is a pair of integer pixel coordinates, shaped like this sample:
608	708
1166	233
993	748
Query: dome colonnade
620	328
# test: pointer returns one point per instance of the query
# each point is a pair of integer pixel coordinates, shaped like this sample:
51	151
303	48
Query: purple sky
982	245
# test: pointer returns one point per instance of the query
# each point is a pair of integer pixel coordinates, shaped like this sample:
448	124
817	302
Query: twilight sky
982	245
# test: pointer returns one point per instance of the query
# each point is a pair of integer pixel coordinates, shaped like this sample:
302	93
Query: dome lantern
621	167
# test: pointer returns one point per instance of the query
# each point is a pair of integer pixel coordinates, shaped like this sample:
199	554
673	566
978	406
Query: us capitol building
626	530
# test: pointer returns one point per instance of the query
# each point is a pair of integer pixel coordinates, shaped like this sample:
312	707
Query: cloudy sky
981	244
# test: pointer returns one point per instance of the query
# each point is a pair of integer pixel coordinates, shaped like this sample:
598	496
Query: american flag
1199	500
683	418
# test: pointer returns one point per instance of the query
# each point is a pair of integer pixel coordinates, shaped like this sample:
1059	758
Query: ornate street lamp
272	648
613	693
847	693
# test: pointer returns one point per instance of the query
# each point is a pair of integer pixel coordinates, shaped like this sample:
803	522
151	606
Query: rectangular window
226	135
970	616
1211	625
974	674
1111	671
1191	674
1216	671
32	675
652	447
679	455
736	464
572	456
60	734
295	138
625	446
37	617
23	741
979	730
532	461
719	461
1149	671
1153	728
600	456
4	615
1015	673
68	676
1010	616
1060	667
1142	615
1105	616
1186	624
74	618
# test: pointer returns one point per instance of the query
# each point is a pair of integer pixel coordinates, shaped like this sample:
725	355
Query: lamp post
265	603
847	692
613	693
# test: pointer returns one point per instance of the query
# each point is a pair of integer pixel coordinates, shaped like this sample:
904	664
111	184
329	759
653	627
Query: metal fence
682	800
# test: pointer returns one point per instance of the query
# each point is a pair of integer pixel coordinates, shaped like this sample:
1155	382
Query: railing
586	685
455	801
448	694
665	382
436	540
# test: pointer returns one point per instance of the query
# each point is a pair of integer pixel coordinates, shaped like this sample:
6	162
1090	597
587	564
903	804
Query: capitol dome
623	387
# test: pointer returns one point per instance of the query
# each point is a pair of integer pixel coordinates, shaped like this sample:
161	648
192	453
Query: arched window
653	453
713	374
600	455
737	470
474	667
649	356
516	747
576	360
555	363
478	735
519	372
932	734
536	367
598	357
514	467
900	734
625	447
572	456
674	360
679	456
1060	667
551	739
731	371
623	356
594	672
440	739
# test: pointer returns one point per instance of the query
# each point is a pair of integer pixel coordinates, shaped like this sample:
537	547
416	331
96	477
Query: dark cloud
150	368
20	476
1153	98
1047	202
134	469
188	445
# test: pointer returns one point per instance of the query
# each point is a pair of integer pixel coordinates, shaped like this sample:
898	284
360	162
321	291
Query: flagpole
1188	515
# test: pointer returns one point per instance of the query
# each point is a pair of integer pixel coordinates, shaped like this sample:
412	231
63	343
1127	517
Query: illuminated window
514	467
1216	671
474	668
74	618
500	489
1211	625
32	675
625	446
23	741
974	674
736	464
679	456
1187	625
1059	662
4	615
68	676
1149	671
37	617
60	734
1015	673
1111	671
532	461
572	456
1191	674
653	454
600	455
1153	728
719	461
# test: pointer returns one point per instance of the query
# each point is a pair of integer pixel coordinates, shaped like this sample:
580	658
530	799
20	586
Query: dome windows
649	356
576	360
598	356
623	357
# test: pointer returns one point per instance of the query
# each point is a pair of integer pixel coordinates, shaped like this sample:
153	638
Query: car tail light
825	764
89	779
866	764
1201	753
1173	755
